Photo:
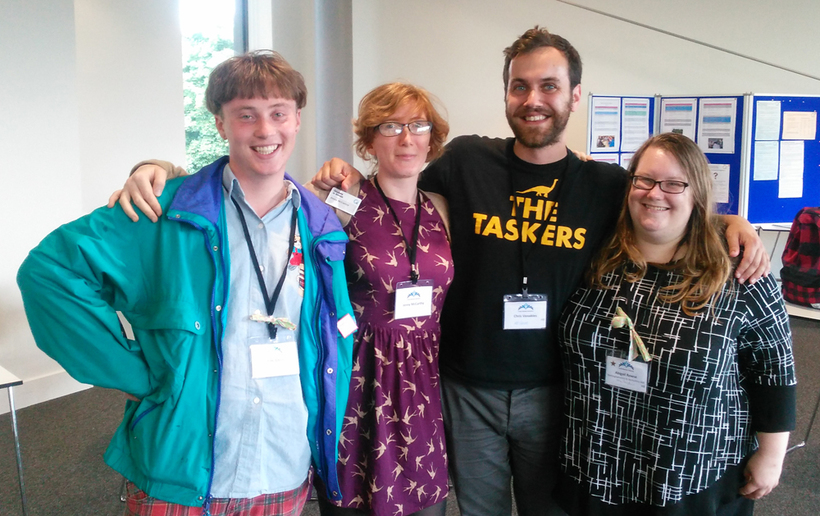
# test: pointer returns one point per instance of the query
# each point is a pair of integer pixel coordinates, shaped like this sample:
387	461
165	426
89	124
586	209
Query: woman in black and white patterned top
674	370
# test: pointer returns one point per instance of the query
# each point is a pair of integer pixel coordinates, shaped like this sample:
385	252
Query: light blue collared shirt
261	444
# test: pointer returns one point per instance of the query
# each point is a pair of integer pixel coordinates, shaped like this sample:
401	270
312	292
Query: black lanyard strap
411	251
525	255
270	302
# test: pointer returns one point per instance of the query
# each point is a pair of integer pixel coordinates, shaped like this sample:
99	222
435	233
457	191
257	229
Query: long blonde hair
705	266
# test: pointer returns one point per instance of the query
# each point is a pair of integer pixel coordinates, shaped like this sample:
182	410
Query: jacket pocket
173	340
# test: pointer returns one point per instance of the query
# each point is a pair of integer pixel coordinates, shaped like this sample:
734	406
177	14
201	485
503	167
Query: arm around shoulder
170	169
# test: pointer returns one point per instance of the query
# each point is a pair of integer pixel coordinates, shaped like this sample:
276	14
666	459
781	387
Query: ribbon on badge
258	316
619	321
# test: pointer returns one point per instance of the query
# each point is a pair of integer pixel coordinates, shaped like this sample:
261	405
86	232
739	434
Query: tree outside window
207	40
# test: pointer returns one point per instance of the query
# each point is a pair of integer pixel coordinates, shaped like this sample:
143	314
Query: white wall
129	89
89	88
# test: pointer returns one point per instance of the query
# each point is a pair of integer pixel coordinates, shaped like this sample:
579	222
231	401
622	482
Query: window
207	40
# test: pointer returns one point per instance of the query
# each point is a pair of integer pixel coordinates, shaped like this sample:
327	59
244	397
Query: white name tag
525	312
274	359
413	300
346	325
627	374
343	201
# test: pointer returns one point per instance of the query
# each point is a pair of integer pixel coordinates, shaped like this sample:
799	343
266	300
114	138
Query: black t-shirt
565	209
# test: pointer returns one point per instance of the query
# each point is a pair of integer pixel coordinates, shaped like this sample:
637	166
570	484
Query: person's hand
336	173
583	157
755	263
142	189
765	465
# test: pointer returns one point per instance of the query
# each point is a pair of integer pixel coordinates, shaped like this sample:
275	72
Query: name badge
346	325
413	300
627	374
274	359
525	312
343	201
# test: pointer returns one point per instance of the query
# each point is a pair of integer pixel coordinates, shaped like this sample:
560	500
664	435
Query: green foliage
202	141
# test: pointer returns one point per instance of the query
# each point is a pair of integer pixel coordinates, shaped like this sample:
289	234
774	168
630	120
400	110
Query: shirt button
262	268
329	431
218	308
329	370
335	493
256	401
177	215
216	248
196	325
260	226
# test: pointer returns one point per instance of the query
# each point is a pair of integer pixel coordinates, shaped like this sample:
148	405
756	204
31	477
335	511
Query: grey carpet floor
63	441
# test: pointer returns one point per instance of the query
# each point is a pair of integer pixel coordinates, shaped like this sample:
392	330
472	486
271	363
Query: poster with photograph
606	124
716	127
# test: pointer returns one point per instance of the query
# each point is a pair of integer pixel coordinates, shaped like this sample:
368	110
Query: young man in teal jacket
240	364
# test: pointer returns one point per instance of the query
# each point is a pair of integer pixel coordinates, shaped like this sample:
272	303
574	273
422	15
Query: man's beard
538	137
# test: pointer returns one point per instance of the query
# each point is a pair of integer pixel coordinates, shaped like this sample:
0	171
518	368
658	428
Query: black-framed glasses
670	186
395	128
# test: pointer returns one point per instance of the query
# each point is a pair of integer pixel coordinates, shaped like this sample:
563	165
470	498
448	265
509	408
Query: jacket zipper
320	370
145	413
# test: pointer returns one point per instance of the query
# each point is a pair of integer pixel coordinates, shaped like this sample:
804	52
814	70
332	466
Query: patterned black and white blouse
714	380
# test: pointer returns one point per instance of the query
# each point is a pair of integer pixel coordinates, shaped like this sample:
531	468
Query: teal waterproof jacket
170	281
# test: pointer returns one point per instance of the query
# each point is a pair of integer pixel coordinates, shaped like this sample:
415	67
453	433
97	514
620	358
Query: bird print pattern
392	455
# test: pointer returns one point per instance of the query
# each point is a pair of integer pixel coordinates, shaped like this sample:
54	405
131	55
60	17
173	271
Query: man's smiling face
261	134
539	97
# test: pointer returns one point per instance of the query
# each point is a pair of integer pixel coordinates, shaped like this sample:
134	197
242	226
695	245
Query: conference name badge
413	299
525	311
274	358
627	374
343	201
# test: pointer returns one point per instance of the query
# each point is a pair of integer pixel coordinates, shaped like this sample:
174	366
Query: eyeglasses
395	128
647	183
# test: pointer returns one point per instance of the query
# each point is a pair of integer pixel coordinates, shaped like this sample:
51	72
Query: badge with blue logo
413	299
525	311
627	374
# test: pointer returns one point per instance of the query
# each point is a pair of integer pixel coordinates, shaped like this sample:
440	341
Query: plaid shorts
289	503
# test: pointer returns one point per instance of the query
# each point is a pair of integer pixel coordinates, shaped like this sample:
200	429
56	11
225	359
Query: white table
8	381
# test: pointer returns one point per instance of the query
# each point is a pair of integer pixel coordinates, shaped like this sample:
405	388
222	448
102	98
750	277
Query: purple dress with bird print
392	455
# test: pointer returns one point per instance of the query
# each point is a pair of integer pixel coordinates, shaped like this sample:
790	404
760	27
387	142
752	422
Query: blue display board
733	159
693	111
774	195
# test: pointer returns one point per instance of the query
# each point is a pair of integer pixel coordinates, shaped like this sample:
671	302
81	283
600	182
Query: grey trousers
494	436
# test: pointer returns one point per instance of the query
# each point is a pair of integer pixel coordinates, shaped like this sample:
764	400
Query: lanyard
524	256
270	302
411	251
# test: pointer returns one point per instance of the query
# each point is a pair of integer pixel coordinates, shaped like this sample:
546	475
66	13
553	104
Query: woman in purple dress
392	456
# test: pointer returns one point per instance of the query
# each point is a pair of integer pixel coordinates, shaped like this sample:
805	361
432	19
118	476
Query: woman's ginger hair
383	101
705	265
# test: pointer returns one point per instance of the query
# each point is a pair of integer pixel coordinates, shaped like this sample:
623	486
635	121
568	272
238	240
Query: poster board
618	125
715	122
783	152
